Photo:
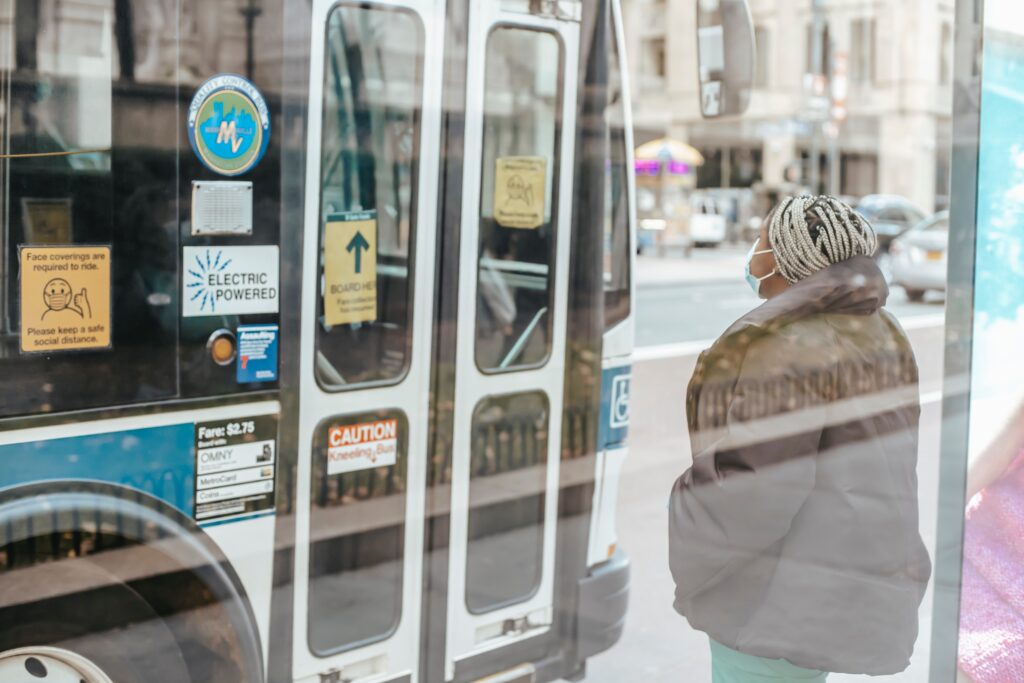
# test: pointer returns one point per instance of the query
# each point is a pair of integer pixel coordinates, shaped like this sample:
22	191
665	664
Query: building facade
873	103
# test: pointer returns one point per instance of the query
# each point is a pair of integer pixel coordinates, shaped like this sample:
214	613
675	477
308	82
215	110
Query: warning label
519	196
65	298
235	465
362	446
350	268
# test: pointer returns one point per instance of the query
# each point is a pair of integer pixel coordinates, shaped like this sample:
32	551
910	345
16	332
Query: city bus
317	318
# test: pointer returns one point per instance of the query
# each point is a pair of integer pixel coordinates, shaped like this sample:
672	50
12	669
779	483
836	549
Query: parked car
891	215
918	258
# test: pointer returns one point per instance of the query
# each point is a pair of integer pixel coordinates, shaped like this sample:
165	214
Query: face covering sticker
65	298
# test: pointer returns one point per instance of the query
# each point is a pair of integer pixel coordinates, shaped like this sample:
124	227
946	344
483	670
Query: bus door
371	188
521	84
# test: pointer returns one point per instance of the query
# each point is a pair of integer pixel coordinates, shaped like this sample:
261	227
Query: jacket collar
852	287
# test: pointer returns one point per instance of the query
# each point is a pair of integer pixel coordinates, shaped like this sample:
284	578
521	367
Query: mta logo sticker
229	124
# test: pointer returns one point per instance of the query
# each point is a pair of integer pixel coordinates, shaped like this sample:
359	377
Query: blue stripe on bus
157	460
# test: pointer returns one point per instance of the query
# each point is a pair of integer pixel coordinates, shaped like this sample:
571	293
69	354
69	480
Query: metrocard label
65	298
230	280
519	197
362	446
235	467
350	268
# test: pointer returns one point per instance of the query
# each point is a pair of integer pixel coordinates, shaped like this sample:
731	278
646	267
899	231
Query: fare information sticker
235	467
350	268
65	298
361	446
519	197
230	280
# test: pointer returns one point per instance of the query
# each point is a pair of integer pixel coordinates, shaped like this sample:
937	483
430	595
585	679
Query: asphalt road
674	319
684	311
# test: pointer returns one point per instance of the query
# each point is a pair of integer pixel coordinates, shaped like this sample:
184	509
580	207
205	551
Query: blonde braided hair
809	233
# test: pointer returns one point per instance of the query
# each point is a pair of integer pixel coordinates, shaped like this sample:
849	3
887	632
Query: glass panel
506	500
372	94
991	622
357	530
62	152
522	104
616	203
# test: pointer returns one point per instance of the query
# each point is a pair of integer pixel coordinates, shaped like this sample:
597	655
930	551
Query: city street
678	313
688	300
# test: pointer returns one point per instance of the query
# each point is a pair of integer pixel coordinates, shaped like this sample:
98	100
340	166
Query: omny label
235	467
362	446
65	298
230	280
519	192
350	268
234	457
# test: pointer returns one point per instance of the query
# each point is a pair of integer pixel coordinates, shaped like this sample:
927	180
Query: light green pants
730	666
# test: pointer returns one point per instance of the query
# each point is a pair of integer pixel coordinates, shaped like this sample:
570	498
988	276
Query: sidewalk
724	264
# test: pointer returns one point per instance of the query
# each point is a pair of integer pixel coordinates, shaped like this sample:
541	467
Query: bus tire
130	648
158	602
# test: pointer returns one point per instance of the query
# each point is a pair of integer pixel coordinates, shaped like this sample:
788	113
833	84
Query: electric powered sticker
230	280
65	298
361	446
257	353
350	268
235	467
229	124
519	192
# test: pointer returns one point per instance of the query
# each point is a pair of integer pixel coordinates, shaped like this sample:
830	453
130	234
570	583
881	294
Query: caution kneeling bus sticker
362	446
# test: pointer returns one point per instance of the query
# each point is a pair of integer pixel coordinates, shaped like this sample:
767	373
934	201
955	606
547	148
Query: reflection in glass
372	91
506	498
518	198
357	540
616	202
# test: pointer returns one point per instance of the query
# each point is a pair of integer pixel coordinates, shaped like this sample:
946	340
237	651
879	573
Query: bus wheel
122	581
107	635
50	664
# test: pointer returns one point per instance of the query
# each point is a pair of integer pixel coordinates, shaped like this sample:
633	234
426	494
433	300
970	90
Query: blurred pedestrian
794	538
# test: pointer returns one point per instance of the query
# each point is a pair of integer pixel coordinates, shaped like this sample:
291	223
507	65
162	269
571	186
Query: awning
667	149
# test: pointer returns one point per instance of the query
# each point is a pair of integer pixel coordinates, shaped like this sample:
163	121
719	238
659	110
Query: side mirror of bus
725	57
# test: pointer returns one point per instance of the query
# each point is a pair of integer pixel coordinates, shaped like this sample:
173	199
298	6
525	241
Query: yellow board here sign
350	268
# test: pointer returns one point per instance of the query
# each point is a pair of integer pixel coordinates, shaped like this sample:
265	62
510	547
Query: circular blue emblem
228	124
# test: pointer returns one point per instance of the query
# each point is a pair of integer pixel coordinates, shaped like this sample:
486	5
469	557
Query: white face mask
752	280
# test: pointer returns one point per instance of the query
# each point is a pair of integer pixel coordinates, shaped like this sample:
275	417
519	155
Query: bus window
616	218
59	117
372	87
508	464
357	536
523	89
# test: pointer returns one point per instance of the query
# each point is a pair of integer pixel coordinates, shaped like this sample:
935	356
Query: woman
794	538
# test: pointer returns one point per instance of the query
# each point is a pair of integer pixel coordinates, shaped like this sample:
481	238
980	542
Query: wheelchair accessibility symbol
619	414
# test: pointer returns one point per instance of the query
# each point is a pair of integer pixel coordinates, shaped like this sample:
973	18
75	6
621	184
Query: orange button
222	347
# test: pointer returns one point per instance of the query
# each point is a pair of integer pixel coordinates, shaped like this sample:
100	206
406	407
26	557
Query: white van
707	221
